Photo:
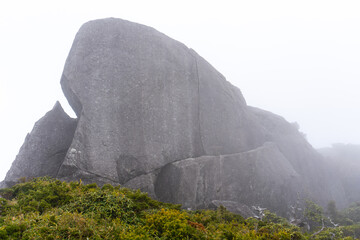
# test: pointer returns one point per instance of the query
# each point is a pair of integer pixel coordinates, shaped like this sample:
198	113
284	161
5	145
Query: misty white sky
299	59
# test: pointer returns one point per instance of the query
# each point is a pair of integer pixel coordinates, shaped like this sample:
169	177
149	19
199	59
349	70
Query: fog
297	59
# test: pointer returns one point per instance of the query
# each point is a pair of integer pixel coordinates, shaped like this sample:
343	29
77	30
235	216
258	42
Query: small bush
171	224
102	204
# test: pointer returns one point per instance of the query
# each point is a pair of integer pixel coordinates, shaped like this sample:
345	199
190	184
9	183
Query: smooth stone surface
257	177
145	100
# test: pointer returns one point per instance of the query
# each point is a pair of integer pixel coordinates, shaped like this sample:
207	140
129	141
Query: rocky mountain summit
153	114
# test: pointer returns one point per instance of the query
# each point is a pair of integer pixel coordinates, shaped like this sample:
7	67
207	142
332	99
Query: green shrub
352	231
171	224
44	208
7	193
102	204
273	218
40	194
3	233
14	230
107	187
91	186
221	215
352	213
3	206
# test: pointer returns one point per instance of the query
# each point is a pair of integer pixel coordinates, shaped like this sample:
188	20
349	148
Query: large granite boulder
154	115
145	100
44	148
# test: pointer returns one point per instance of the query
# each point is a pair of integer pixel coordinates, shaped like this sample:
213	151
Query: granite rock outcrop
153	114
144	100
45	148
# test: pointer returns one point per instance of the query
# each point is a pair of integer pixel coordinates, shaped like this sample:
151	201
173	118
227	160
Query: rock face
316	179
144	101
345	163
44	148
256	177
153	114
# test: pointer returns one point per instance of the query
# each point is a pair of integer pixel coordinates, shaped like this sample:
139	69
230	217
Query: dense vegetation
45	208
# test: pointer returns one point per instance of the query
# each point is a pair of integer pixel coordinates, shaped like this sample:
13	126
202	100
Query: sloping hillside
45	208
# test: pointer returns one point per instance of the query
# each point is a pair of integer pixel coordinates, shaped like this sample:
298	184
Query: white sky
299	59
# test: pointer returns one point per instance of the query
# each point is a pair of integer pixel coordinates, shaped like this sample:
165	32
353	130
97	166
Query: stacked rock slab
153	114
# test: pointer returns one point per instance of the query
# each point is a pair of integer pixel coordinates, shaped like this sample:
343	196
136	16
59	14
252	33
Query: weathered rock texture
256	177
152	114
44	148
144	100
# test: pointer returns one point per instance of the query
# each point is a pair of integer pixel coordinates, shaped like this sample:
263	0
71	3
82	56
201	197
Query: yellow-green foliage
171	224
313	212
353	212
46	208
